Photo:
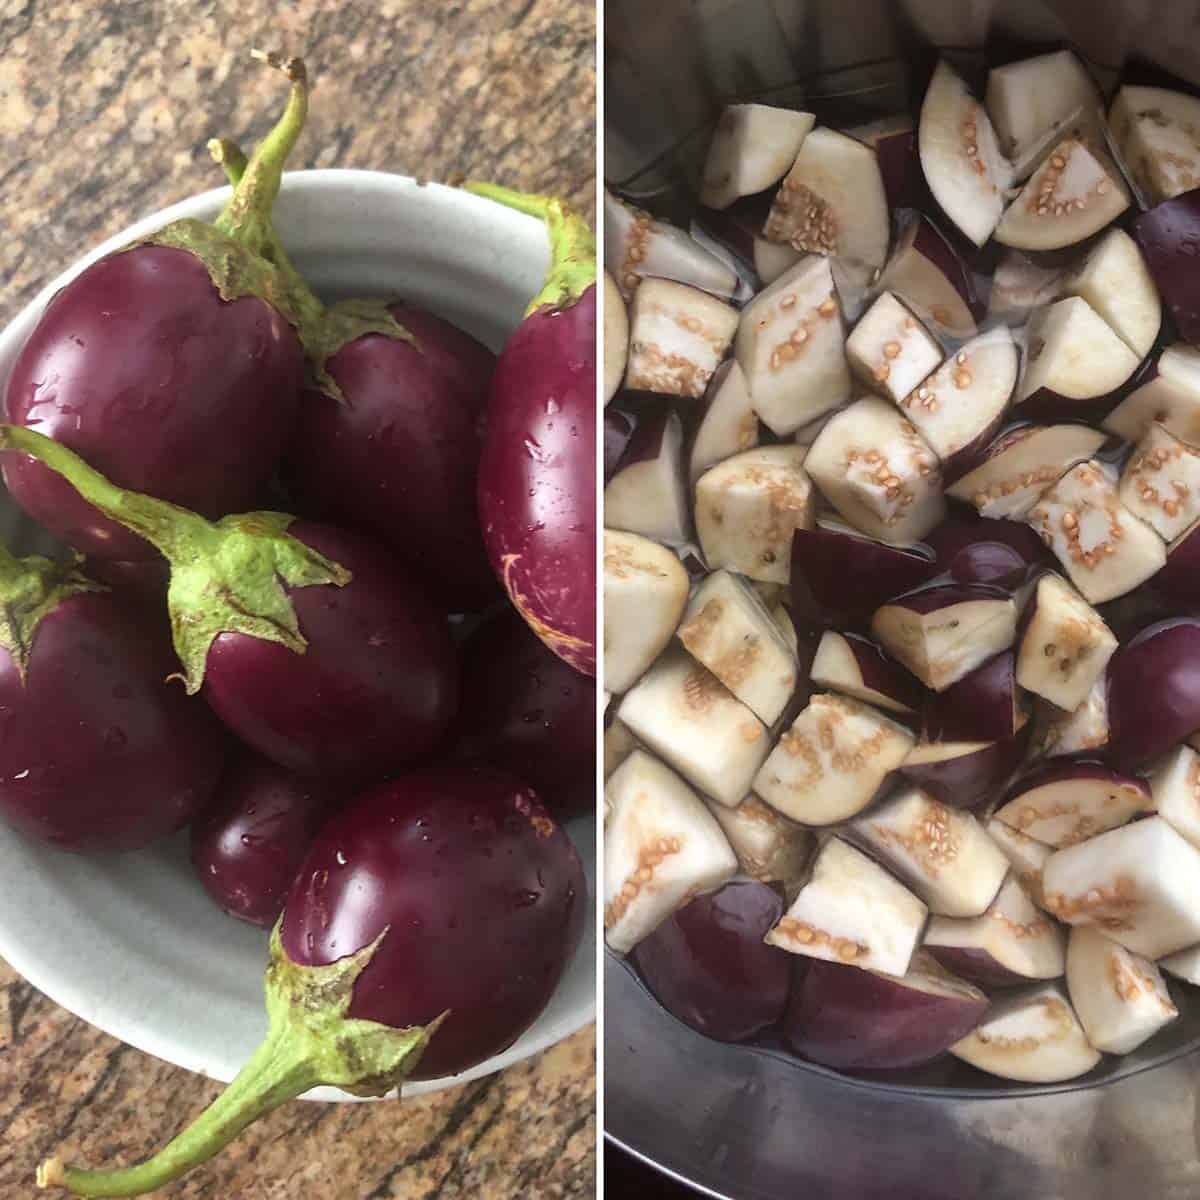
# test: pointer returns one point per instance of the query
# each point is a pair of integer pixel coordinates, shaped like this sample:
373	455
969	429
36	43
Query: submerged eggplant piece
1034	1037
752	147
857	1020
873	467
792	347
1139	884
1073	355
856	667
727	425
749	506
616	337
890	350
1116	282
1021	464
1026	856
1154	691
661	846
769	847
1106	550
1161	483
645	591
729	630
1067	803
709	966
677	337
832	201
943	632
1020	285
1011	943
964	774
1156	133
941	853
851	910
1071	196
686	714
1119	997
963	402
1171	397
962	162
636	246
647	494
1065	647
828	766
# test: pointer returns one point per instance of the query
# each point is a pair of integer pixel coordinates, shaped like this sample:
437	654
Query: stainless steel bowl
751	1123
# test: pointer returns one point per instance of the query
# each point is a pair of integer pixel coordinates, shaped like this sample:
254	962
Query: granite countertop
105	108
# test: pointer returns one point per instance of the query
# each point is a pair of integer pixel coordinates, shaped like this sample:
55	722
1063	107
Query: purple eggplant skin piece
98	751
173	377
249	843
709	966
619	427
1048	407
397	453
980	707
974	549
377	686
1169	238
525	711
839	580
1072	770
1178	581
537	478
1154	692
977	965
850	1019
417	879
884	674
452	866
970	779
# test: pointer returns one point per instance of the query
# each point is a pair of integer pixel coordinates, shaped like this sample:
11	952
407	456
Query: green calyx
234	247
572	244
324	331
30	589
227	576
310	1042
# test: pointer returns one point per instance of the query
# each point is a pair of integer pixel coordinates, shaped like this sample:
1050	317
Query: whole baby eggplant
173	366
311	643
525	710
427	929
537	478
249	843
98	752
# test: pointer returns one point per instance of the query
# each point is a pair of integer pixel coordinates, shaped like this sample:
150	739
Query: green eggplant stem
572	244
247	216
228	155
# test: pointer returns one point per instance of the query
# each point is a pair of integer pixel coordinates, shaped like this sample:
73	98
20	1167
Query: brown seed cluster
635	250
1151	462
701	690
1109	907
803	218
654	369
1056	1013
930	842
970	140
809	935
650	858
1031	929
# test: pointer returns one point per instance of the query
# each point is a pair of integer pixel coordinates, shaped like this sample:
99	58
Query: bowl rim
131	1030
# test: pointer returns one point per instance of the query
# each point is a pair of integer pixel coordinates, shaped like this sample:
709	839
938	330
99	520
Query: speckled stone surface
105	108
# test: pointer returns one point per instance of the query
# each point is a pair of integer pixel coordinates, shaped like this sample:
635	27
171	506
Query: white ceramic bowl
132	943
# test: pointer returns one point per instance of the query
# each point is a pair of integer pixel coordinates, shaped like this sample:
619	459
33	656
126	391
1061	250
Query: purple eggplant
983	706
524	710
709	966
537	479
1169	235
974	549
417	880
249	844
98	751
619	428
311	643
173	366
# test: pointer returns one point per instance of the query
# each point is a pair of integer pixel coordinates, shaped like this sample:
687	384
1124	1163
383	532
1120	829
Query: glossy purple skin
840	580
140	367
900	166
248	845
524	710
1076	771
645	443
398	457
142	582
1154	692
975	549
619	427
1169	237
977	965
883	674
931	242
851	1019
483	897
709	966
1048	407
376	687
969	780
537	478
98	751
1179	578
980	707
937	596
